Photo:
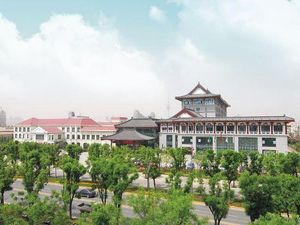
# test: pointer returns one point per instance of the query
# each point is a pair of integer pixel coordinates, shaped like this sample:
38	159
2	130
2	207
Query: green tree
34	167
286	196
73	151
97	151
123	173
218	198
211	163
275	219
101	170
230	162
175	209
12	214
272	163
150	159
102	215
7	174
255	164
177	157
257	193
291	163
73	170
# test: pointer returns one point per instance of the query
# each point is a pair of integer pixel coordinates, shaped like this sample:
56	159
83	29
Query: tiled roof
138	123
128	135
98	128
77	121
188	111
230	119
52	130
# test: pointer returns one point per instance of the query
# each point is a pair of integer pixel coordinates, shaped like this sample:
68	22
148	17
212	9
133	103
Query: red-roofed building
77	130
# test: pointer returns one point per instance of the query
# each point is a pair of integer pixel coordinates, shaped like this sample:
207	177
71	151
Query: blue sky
105	58
130	17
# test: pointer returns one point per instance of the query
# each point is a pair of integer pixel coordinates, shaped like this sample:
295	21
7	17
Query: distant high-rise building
2	118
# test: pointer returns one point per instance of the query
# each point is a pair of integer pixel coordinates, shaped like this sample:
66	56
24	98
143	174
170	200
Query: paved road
236	216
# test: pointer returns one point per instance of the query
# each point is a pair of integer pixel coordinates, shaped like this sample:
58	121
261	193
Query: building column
236	143
214	139
194	145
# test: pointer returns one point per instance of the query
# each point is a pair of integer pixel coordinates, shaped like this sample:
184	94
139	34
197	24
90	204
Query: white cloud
69	65
250	51
157	14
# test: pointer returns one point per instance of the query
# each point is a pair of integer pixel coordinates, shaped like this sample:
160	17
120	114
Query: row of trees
270	177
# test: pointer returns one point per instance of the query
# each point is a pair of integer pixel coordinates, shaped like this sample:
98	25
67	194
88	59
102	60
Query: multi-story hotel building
75	130
203	124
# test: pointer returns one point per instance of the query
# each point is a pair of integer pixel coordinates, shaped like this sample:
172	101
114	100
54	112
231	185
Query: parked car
190	166
88	193
84	207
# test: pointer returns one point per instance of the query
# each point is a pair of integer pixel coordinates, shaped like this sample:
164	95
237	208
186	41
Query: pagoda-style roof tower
204	102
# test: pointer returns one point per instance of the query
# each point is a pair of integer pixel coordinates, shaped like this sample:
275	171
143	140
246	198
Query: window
28	129
93	137
164	128
204	143
73	129
97	136
20	129
269	142
265	128
230	128
220	128
176	127
191	128
209	128
183	128
169	141
83	137
78	136
248	144
16	129
242	128
68	129
253	128
170	128
199	128
39	137
88	137
68	136
78	129
16	136
20	136
24	129
63	129
59	137
187	140
278	128
73	136
225	143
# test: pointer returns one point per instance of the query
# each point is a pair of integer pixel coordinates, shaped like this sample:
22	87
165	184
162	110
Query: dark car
190	166
84	207
88	193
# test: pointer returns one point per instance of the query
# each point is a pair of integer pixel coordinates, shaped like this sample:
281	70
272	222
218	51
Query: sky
106	58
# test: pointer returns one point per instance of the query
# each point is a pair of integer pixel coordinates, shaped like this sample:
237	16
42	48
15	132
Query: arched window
170	127
220	127
265	128
191	128
183	128
253	128
242	128
209	128
164	128
230	128
199	128
176	127
278	128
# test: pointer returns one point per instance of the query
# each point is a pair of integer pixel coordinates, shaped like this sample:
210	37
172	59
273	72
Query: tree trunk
148	182
2	197
70	208
154	184
105	196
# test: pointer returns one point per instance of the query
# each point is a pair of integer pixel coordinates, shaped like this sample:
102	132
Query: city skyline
103	60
